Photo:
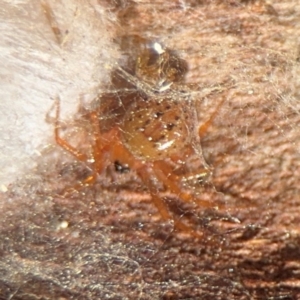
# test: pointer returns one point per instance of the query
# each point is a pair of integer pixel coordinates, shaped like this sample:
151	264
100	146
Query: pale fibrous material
39	63
236	62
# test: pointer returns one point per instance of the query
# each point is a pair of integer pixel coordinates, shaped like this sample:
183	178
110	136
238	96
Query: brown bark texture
108	241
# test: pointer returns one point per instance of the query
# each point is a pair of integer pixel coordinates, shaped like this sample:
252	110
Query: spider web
108	241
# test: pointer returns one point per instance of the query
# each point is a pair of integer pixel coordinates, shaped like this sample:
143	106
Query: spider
154	134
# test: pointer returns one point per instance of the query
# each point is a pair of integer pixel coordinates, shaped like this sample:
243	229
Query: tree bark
107	241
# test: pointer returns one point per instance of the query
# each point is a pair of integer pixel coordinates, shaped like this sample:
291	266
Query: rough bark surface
109	242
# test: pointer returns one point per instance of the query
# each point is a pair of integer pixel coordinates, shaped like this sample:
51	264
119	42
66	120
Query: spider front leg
63	143
73	151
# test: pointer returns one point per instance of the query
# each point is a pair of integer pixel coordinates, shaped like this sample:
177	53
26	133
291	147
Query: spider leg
63	143
162	207
164	173
77	154
204	127
121	153
101	143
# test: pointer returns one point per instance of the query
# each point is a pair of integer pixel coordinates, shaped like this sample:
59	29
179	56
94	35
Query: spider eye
121	168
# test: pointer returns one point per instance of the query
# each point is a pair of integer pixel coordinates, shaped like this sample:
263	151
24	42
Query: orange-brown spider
155	135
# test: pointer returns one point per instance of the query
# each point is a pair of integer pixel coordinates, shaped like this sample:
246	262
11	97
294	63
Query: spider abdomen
155	129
